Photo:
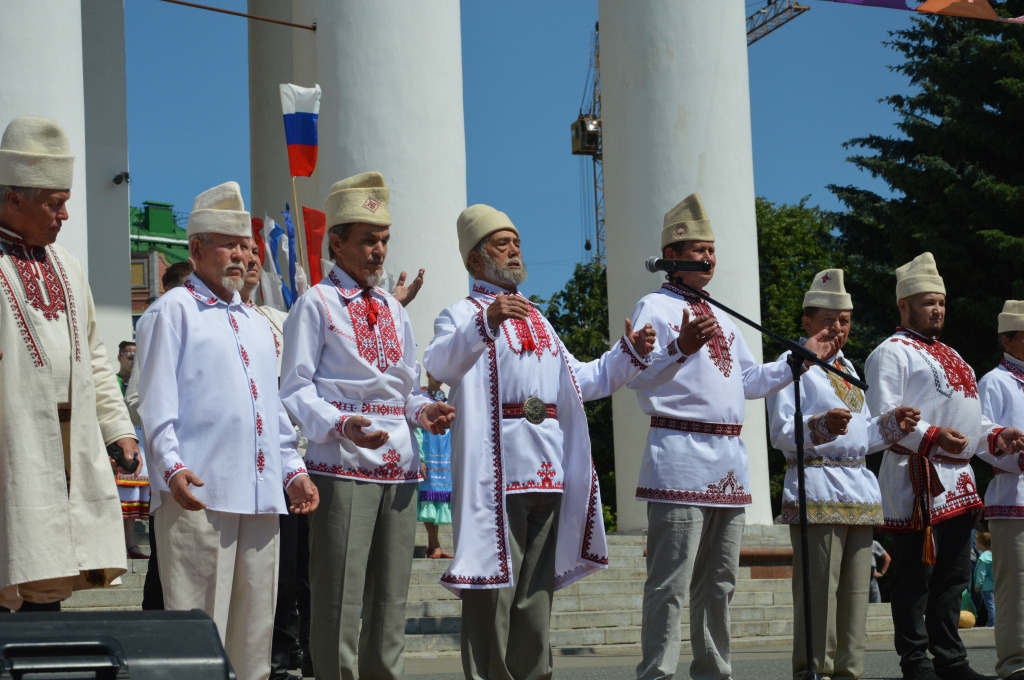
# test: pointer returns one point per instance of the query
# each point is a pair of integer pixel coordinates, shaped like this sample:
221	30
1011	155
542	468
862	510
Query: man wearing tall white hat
694	470
61	405
526	508
843	500
929	496
1002	401
219	444
351	380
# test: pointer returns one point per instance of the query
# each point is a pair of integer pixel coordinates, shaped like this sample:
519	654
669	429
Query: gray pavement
771	662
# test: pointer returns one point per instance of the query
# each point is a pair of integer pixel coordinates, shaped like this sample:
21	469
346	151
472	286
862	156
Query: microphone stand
798	354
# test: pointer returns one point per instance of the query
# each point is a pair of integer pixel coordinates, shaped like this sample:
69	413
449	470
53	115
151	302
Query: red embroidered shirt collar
917	336
9	235
1014	366
200	291
490	290
347	287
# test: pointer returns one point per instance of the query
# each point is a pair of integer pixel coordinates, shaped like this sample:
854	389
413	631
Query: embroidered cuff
992	442
889	429
817	428
638	362
673	349
929	441
293	475
175	469
418	412
339	426
486	333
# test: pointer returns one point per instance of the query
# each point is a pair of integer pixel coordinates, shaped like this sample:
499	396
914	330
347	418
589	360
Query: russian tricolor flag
301	107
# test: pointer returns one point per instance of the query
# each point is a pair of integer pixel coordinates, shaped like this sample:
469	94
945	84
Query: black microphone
655	264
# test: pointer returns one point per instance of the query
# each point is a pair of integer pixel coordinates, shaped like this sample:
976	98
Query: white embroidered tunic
840	488
1002	401
922	484
705	392
480	365
55	520
351	352
209	401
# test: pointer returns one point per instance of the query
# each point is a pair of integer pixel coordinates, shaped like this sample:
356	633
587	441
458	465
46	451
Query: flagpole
301	235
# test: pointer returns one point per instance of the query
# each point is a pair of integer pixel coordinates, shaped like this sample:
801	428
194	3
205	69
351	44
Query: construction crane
586	129
771	17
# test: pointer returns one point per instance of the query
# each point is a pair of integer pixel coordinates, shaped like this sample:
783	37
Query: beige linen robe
49	529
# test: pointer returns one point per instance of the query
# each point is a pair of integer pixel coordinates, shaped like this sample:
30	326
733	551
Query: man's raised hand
406	294
437	417
641	340
822	346
507	307
353	429
837	419
695	333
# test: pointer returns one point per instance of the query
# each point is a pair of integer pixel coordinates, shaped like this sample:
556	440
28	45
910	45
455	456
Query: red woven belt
516	411
696	427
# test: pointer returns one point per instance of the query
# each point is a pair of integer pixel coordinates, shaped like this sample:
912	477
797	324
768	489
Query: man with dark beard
351	381
526	509
929	496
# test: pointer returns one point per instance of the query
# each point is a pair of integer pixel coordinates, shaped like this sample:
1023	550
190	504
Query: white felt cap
920	275
220	210
687	221
1012	317
476	223
35	153
827	291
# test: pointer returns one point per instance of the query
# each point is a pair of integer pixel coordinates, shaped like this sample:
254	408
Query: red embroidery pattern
592	510
719	348
546	474
245	355
259	424
382	473
498	489
71	308
167	475
344	406
959	375
1004	512
28	262
1015	371
532	336
724	492
293	474
624	346
347	292
384	410
992	440
260	460
889	429
234	324
366	339
340	426
190	287
252	388
19	318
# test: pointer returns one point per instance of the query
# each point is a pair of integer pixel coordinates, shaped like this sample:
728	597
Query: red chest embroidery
39	279
720	347
958	374
388	351
530	336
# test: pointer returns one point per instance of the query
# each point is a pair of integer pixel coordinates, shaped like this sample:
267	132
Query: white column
391	75
676	119
42	75
106	130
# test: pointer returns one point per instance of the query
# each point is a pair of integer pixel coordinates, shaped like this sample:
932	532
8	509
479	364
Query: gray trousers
360	523
696	548
505	631
840	568
1008	572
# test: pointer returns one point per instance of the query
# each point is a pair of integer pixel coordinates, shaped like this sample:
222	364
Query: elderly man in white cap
694	469
60	525
929	496
1002	401
219	443
525	501
349	366
844	503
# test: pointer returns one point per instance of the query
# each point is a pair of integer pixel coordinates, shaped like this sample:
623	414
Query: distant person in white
218	440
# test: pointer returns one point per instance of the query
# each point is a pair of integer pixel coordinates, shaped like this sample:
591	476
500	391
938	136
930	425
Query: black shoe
295	660
963	672
921	672
307	666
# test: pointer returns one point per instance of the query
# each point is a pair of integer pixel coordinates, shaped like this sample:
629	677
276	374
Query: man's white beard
374	280
502	275
234	285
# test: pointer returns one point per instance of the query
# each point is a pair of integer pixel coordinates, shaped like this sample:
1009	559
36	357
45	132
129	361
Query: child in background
435	490
983	582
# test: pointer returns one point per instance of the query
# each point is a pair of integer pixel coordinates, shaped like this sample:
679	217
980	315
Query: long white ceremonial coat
335	365
464	354
710	387
840	488
48	530
209	401
1002	401
922	484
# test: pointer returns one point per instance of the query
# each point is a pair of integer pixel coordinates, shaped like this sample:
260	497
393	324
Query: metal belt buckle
535	410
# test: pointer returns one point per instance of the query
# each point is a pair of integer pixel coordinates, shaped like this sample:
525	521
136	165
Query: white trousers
1008	575
225	564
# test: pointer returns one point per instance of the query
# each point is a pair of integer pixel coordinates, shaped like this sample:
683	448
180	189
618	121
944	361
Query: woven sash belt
534	411
723	429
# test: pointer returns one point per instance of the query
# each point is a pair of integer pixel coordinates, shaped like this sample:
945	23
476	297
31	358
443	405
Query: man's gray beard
374	280
503	276
234	285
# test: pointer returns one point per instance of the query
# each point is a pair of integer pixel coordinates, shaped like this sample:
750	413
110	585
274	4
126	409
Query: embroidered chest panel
851	395
940	357
39	280
720	346
529	336
373	327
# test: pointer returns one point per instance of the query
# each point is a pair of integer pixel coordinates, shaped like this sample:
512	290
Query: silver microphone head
651	264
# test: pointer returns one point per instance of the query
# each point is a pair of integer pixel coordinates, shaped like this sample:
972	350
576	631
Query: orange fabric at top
975	9
316	225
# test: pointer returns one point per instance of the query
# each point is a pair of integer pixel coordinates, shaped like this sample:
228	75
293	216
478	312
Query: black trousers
152	590
291	615
926	598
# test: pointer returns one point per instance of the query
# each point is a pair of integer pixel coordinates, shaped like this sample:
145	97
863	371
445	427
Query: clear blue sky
814	84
